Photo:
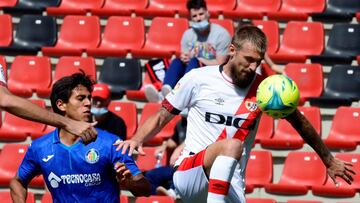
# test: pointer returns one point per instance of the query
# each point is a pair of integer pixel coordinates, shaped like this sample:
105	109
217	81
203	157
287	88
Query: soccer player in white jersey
27	110
222	122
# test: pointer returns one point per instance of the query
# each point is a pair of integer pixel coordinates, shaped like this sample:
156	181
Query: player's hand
341	169
82	129
123	173
130	145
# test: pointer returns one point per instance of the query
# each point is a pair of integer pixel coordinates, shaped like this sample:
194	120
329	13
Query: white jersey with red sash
2	77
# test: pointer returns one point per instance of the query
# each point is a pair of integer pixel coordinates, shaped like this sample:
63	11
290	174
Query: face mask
201	26
98	111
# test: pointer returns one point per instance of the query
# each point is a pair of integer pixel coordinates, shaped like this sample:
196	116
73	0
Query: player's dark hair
196	4
250	34
62	89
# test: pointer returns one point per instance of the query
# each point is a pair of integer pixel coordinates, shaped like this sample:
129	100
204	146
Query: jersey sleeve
2	76
183	95
29	167
127	160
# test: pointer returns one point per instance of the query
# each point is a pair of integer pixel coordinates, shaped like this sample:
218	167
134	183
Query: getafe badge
92	156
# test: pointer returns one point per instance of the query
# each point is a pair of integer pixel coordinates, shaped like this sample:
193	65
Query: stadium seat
154	199
338	11
75	7
265	129
164	8
149	161
297	9
128	112
301	171
121	74
120	7
31	6
344	131
163	38
87	29
271	30
294	50
260	200
344	190
122	34
30	74
68	65
342	46
226	23
168	131
253	9
259	170
139	95
358	16
10	158
217	7
124	199
358	59
32	33
286	137
308	77
303	201
7	3
17	129
5	197
6	34
337	92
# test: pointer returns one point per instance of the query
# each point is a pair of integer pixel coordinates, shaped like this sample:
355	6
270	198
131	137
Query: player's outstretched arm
150	128
17	191
138	185
25	109
335	167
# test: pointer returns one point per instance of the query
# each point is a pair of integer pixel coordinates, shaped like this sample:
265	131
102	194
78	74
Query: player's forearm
310	136
17	191
139	186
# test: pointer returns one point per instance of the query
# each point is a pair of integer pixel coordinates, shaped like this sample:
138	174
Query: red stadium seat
6	34
254	9
87	29
10	158
358	16
296	50
30	74
308	77
217	7
128	112
124	199
297	9
122	34
301	171
75	7
226	23
259	170
68	65
358	59
344	131
303	201
260	200
344	190
265	129
5	197
7	3
154	199
271	30
148	110
163	38
286	137
139	95
163	8
120	7
148	162
17	129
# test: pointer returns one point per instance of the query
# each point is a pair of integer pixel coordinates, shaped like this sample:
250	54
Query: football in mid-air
278	96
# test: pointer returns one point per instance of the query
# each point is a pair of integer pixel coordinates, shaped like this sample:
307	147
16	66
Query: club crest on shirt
92	156
251	106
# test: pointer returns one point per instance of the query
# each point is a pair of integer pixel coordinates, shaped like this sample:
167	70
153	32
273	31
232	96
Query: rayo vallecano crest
251	106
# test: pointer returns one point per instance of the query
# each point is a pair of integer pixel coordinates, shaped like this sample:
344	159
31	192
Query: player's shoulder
44	141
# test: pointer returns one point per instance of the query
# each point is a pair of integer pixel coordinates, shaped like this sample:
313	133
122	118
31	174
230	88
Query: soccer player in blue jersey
75	172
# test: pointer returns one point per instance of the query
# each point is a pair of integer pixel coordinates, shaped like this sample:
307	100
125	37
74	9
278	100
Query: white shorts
191	181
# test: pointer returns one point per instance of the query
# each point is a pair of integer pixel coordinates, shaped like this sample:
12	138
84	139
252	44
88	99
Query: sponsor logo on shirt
92	156
227	120
89	179
219	101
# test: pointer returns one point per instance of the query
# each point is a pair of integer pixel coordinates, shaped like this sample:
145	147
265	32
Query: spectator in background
74	172
106	120
203	44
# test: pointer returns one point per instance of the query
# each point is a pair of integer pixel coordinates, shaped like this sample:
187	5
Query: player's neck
67	138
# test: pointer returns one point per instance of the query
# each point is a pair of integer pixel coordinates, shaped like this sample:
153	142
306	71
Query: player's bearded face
242	77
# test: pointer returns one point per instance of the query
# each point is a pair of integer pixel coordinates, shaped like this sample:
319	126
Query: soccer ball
277	96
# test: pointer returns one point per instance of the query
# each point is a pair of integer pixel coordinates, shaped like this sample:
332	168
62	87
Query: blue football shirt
79	173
